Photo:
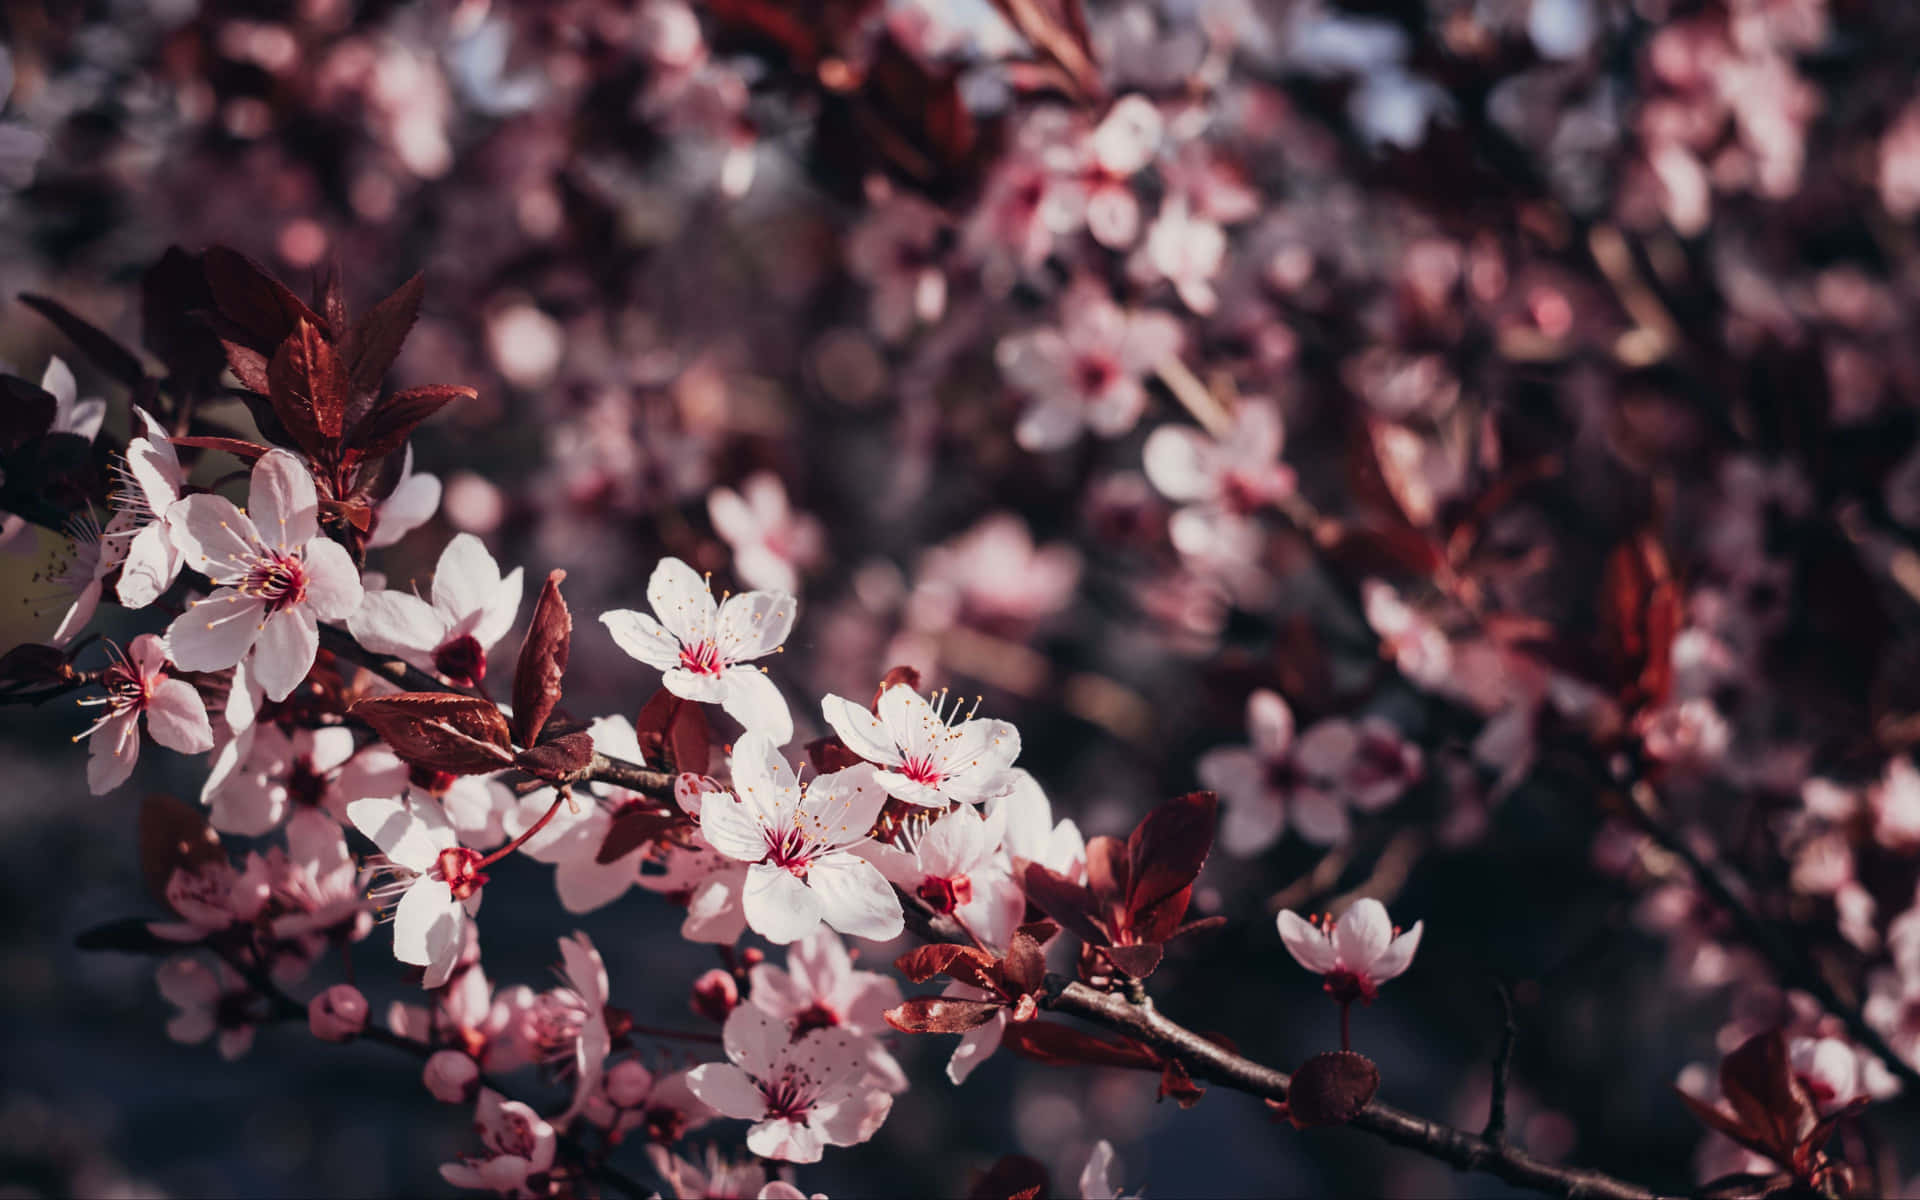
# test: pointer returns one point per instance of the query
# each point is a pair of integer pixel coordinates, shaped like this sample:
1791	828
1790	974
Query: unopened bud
337	1014
715	994
452	1077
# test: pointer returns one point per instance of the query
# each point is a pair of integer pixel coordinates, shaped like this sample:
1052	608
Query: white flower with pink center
926	756
138	685
1357	953
772	543
800	843
436	880
801	1095
819	988
151	482
473	607
702	648
1089	372
520	1146
950	862
278	578
1220	482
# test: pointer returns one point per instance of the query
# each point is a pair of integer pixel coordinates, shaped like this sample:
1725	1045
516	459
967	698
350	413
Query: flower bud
628	1083
452	1077
715	994
337	1014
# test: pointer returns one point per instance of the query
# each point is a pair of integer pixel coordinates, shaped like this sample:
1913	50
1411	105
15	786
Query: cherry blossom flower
1088	373
210	1002
1220	482
436	880
338	1014
1895	803
520	1148
702	649
799	842
1357	953
1187	250
79	575
81	418
819	988
274	588
896	252
138	685
1415	644
572	838
995	577
926	756
802	1095
950	862
633	1098
213	896
280	771
1031	834
1121	146
708	884
151	483
1096	1178
771	542
719	1177
1279	777
573	1019
315	883
473	608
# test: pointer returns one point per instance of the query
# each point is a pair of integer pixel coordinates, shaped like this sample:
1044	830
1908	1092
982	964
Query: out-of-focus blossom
520	1151
772	544
213	1003
337	1014
896	252
1087	373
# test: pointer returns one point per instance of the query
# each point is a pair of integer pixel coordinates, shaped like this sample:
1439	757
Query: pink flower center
788	1098
126	688
460	868
921	769
1093	373
703	659
306	786
462	660
279	579
819	1016
1346	986
790	850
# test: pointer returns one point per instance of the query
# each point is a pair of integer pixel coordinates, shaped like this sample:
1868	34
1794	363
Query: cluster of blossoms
1501	413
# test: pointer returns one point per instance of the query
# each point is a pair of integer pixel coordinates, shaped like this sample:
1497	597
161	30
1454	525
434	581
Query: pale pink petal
1309	947
842	806
586	884
410	505
751	698
1319	816
110	759
77	616
785	1141
427	923
153	562
1096	1178
410	833
465	579
282	502
732	827
1179	462
727	1090
976	1045
779	906
853	897
642	637
215	633
333	582
753	624
1269	723
1362	934
214	538
177	718
853	1120
1399	955
863	732
284	650
682	601
398	624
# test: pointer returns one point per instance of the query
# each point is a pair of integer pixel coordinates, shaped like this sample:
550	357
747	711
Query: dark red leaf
377	335
964	963
1175	1082
33	663
557	758
1059	1045
446	731
1063	900
1138	960
1107	877
1639	618
249	366
101	348
1164	857
26	412
941	1014
251	299
1331	1089
543	661
1025	964
1058	29
387	427
1758	1082
172	292
247	451
1725	1123
632	830
174	836
830	754
906	677
330	300
673	733
309	387
1014	1177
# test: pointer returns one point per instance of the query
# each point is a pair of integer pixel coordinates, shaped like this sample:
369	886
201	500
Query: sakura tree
994	599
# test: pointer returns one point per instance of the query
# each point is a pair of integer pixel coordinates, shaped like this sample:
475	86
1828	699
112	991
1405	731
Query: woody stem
559	798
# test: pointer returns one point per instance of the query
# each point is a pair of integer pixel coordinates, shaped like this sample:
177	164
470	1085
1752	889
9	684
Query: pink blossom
950	861
896	252
1121	146
451	1076
1096	1178
274	587
473	608
81	418
820	989
212	897
994	576
703	649
436	881
210	1002
338	1014
1357	953
1031	834
718	1178
801	1095
78	577
1089	372
1277	777
772	544
279	771
927	757
1414	644
137	685
633	1098
708	884
1220	482
411	504
1185	249
520	1147
1895	803
800	844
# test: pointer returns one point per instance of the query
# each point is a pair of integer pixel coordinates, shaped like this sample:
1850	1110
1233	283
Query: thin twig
1495	1133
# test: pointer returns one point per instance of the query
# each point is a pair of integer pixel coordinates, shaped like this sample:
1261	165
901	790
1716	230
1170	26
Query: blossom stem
1346	1024
559	798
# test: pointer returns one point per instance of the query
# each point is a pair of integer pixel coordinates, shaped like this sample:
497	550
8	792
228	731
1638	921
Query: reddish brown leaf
1138	959
1331	1089
557	758
673	733
308	378
249	366
543	661
1058	29
1757	1080
26	412
446	731
376	338
387	427
173	297
632	830
1059	1045
101	348
829	754
1025	965
941	1014
964	963
1639	618
174	836
251	299
906	677
1164	857
1063	900
32	663
1175	1082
